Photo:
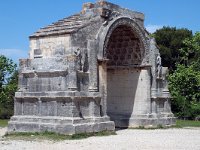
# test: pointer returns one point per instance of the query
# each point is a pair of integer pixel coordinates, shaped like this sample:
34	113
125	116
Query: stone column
103	87
72	73
153	106
39	107
22	81
17	107
153	84
148	88
167	106
93	75
142	103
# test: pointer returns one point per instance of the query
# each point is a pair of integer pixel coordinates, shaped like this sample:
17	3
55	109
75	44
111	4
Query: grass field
55	136
4	122
187	123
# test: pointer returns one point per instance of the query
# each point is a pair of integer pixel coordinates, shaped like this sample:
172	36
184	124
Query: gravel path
161	139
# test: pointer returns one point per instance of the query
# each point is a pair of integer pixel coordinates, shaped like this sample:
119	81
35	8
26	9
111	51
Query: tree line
180	52
8	86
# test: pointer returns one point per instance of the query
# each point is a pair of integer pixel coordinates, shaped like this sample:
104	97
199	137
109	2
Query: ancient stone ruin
93	71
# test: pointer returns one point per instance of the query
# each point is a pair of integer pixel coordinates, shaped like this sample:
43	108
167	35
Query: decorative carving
86	63
78	54
110	16
124	47
165	72
105	13
82	59
135	28
158	66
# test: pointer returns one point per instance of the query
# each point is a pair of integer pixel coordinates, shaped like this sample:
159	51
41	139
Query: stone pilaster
103	87
148	88
72	73
167	108
39	107
93	76
153	107
22	81
55	108
16	107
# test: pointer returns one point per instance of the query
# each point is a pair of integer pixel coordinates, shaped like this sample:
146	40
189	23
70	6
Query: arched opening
124	52
124	47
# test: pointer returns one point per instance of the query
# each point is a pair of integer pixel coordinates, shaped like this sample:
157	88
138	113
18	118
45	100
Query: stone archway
124	52
124	72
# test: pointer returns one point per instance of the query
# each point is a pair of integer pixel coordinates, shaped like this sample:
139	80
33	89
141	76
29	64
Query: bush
8	86
184	85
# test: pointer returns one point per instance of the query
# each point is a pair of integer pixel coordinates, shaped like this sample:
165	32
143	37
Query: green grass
3	122
54	136
149	128
179	124
187	123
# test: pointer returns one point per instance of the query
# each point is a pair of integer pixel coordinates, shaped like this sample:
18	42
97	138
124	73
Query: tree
170	41
8	86
191	52
184	83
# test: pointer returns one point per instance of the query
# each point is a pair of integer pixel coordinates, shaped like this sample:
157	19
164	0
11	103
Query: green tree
184	83
8	86
170	41
191	52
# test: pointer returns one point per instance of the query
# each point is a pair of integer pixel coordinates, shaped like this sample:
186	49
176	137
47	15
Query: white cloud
14	54
152	28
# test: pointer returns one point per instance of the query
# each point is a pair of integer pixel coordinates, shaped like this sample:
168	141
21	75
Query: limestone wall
60	106
128	92
49	46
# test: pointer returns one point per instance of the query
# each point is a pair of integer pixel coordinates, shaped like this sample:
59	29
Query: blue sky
20	18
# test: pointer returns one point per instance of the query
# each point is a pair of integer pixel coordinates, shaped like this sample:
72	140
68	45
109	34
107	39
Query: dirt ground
129	139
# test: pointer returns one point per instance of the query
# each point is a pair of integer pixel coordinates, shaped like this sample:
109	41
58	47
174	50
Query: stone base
61	125
148	122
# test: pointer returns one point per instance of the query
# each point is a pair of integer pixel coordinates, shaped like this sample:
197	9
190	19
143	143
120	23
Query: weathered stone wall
122	91
128	92
43	74
49	46
59	107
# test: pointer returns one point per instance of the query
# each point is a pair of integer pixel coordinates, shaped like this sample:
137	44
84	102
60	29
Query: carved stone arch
105	33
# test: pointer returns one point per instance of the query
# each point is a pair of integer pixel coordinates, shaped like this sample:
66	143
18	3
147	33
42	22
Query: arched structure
104	34
91	72
123	47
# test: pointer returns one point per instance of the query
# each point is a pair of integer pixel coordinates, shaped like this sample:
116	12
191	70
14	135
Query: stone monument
90	72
